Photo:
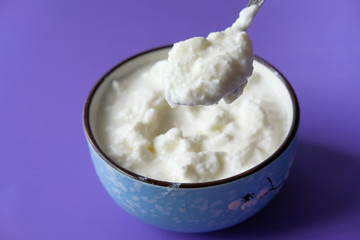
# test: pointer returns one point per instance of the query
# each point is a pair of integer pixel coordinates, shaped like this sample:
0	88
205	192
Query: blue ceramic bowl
190	207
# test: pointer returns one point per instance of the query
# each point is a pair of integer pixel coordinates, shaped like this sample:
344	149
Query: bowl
190	207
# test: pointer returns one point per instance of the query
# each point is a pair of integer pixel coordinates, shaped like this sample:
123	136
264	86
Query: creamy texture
141	132
201	71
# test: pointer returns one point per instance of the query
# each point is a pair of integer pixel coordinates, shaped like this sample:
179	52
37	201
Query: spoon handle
255	2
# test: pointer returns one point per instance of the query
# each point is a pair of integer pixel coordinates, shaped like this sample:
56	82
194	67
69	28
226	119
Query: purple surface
53	52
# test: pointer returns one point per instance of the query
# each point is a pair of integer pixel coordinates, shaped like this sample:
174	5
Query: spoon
202	71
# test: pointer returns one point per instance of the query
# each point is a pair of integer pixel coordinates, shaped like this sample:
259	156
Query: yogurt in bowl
190	169
189	144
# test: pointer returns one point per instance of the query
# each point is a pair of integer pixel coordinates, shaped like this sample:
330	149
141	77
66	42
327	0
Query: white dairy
141	132
201	71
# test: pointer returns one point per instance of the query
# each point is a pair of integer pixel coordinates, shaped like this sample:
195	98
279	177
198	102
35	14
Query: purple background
53	52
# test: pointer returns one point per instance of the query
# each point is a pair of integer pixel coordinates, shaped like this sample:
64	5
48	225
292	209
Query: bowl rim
288	140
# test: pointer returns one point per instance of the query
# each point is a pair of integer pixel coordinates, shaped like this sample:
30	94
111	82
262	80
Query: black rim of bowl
288	140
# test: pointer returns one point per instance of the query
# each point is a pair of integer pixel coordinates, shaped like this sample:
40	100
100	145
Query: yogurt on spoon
202	71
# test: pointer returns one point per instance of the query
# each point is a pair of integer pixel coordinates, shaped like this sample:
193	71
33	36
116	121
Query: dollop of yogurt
201	71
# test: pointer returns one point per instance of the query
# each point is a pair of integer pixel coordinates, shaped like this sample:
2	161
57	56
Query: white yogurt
201	71
140	131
